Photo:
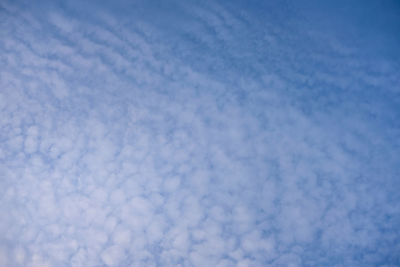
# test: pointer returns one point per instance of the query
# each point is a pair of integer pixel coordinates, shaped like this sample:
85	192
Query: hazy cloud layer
199	134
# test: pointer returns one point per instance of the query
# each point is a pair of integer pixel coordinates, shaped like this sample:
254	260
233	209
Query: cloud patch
224	138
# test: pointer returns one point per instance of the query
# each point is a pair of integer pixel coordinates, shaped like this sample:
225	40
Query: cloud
230	136
61	22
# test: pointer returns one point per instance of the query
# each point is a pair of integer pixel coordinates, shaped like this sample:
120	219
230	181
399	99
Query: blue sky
199	133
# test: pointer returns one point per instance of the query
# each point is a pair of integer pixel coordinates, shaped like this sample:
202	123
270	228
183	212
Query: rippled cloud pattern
199	133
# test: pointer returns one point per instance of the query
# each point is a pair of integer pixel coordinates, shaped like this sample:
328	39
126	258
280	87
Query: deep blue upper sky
199	133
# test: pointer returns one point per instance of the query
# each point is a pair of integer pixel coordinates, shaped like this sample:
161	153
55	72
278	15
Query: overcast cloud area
199	133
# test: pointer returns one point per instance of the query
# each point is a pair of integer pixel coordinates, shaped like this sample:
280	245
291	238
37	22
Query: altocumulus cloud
199	133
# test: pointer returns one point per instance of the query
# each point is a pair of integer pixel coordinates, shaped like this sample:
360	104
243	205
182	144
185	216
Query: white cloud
222	138
62	22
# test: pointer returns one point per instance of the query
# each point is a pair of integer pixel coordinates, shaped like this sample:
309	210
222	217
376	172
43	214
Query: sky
199	133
